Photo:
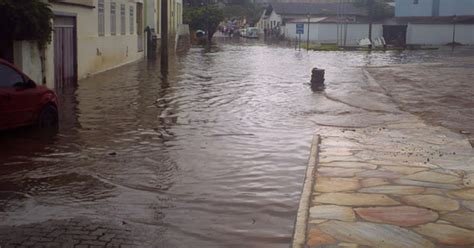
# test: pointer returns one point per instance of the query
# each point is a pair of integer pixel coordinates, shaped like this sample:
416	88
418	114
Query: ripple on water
216	153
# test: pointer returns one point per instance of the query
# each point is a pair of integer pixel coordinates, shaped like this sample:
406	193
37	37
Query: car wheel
48	117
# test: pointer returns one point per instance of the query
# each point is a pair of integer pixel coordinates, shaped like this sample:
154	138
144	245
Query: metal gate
65	60
395	35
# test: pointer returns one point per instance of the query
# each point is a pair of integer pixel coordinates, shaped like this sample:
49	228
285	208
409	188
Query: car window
9	77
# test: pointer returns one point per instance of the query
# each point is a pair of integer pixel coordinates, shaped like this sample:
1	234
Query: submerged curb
299	234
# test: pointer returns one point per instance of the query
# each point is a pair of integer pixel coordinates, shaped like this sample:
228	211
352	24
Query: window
100	9
132	21
123	29
113	19
9	77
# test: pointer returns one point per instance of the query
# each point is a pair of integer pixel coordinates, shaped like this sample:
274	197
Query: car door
16	99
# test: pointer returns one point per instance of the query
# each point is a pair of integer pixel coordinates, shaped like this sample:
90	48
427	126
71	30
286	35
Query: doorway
65	52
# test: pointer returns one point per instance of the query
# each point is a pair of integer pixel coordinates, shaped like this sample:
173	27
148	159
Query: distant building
408	8
432	22
337	22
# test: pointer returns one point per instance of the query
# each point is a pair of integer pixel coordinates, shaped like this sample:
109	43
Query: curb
299	234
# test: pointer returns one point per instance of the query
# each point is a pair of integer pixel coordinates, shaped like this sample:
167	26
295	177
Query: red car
23	102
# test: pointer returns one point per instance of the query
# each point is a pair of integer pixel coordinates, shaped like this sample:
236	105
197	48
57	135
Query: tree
204	17
242	8
26	20
376	10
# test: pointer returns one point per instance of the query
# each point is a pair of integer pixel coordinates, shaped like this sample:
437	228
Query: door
140	26
65	56
17	100
395	35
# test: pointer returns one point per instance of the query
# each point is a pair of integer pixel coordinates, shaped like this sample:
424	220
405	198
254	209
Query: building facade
434	22
405	8
153	16
92	36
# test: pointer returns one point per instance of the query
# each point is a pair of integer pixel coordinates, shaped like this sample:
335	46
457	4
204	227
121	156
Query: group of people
227	31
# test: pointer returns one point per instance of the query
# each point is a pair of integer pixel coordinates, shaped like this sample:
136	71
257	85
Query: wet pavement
405	178
212	156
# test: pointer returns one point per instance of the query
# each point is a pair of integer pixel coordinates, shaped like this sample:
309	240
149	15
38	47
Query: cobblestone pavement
78	232
392	181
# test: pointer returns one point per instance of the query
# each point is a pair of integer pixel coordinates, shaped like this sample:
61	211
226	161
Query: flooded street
212	156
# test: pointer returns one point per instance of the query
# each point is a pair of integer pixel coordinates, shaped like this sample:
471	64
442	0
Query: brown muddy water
213	156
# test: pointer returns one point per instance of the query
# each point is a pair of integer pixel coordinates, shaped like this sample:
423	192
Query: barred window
132	21
113	19
123	28
100	9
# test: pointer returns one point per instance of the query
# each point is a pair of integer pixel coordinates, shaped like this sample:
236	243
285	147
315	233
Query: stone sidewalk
397	183
79	233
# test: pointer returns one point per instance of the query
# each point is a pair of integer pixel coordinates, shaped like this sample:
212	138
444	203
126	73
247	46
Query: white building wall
327	32
439	34
274	20
27	57
99	53
94	53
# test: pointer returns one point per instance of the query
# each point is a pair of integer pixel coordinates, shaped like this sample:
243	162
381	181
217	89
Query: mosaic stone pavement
392	182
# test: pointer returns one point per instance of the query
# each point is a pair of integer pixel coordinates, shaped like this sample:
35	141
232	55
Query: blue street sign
299	28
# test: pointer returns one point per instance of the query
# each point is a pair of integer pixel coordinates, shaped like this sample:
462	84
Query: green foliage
376	9
204	18
244	8
26	20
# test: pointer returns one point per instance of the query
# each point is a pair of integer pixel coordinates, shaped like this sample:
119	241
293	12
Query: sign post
299	32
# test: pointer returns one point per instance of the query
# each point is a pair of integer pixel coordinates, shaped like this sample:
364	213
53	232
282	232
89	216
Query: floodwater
213	156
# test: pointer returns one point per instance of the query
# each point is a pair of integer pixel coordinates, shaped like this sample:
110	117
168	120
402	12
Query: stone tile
400	215
331	159
317	221
468	204
357	165
374	235
393	189
465	194
435	177
355	199
447	234
316	237
406	170
337	172
335	184
426	184
336	152
370	182
468	180
433	191
435	202
348	245
332	212
379	174
460	218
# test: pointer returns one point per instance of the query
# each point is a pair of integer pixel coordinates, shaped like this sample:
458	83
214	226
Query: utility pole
164	37
307	39
370	7
454	31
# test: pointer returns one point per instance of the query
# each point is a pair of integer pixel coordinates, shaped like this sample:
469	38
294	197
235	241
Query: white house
331	30
278	15
432	22
89	36
92	36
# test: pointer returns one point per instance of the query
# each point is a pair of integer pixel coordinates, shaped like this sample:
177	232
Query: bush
26	20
